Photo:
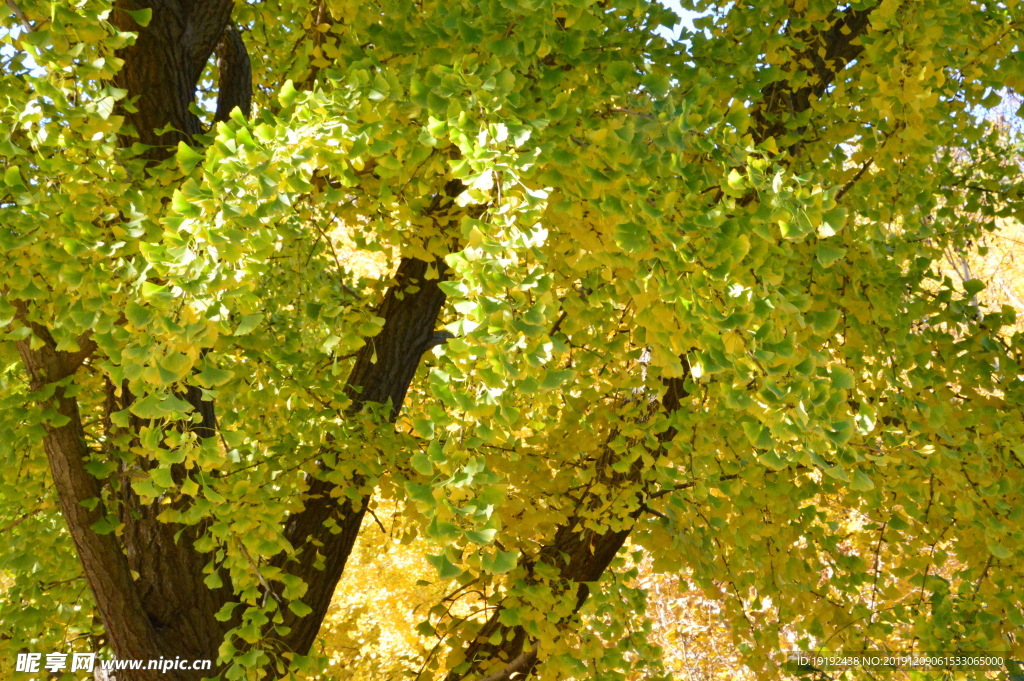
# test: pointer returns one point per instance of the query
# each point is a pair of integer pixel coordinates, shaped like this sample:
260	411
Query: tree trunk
409	320
164	609
148	587
580	555
148	582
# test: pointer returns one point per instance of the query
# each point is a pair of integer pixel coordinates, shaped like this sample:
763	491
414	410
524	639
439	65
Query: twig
21	16
558	323
860	173
523	661
259	575
377	520
647	509
877	571
631	112
19	521
687	485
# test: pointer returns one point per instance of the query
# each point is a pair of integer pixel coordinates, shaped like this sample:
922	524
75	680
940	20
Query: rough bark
580	555
234	83
123	610
161	70
163	609
829	53
409	319
105	565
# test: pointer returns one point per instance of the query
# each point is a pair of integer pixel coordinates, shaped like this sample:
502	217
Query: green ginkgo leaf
861	482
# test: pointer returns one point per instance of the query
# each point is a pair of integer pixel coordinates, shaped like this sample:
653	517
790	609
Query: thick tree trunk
147	586
161	70
147	582
128	612
409	319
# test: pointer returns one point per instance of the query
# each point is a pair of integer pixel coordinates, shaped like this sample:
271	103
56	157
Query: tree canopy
538	280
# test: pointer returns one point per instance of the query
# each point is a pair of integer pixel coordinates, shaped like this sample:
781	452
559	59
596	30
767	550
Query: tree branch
20	15
208	20
234	86
22	518
383	370
828	52
580	554
522	662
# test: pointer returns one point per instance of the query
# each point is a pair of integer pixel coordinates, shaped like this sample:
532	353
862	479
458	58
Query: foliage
372	630
693	295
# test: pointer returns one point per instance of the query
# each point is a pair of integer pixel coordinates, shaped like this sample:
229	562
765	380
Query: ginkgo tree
541	279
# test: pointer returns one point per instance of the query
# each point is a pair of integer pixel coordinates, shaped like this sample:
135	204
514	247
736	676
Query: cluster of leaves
695	295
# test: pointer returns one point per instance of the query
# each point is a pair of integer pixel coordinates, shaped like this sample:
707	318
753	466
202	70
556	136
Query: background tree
608	288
